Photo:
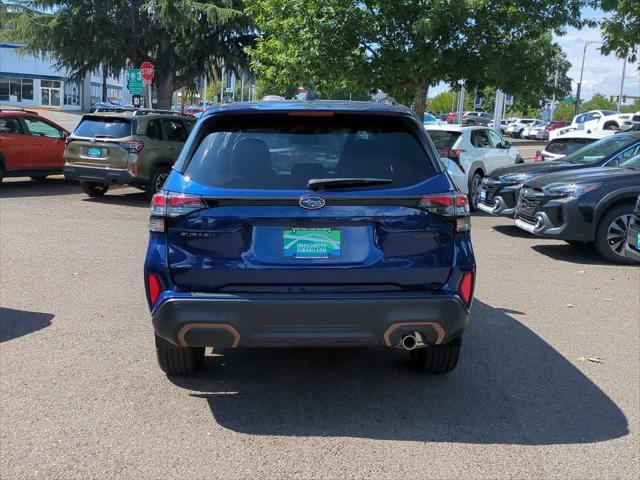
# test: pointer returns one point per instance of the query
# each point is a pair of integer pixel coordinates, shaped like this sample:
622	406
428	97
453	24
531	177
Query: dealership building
29	81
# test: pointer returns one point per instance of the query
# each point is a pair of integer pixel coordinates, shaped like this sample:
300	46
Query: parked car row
136	148
584	197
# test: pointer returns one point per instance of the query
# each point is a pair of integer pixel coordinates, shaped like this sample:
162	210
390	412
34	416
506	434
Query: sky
602	74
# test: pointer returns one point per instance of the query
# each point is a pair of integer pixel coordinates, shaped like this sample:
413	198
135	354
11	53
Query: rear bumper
308	320
107	176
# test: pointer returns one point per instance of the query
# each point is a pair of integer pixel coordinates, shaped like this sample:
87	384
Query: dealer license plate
94	152
311	243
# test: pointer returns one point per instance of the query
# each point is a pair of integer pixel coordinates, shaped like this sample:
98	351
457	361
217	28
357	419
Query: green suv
127	148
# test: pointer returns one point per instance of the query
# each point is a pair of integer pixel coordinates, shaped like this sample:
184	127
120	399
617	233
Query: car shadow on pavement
49	187
513	231
579	254
16	323
130	198
510	387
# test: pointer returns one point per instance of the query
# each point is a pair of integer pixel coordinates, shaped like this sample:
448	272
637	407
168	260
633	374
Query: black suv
499	190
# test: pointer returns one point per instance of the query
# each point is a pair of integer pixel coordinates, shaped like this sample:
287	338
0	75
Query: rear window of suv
280	151
103	127
443	139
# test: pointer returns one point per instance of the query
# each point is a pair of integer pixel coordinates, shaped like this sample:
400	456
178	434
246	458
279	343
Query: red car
553	126
30	145
451	118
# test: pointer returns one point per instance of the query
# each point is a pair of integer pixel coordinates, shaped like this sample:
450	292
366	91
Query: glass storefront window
27	89
4	89
71	93
15	90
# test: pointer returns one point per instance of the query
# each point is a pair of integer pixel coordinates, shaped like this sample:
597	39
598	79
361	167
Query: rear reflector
466	287
156	225
154	287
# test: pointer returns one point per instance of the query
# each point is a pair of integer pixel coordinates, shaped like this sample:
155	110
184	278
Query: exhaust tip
409	342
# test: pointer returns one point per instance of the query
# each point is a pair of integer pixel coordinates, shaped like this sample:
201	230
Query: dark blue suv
309	224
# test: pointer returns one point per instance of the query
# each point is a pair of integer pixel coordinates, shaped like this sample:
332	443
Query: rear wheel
157	181
474	187
471	123
611	235
436	358
611	126
94	189
174	360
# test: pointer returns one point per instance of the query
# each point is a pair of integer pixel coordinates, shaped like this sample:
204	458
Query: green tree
404	46
182	39
621	31
597	102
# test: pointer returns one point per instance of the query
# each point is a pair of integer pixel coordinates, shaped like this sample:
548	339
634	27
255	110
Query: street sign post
147	73
568	100
135	81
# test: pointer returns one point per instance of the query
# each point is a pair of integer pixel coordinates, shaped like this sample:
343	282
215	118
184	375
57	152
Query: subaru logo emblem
311	203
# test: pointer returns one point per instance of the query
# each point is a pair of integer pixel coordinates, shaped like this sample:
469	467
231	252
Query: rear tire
157	181
611	234
436	359
611	126
471	123
94	189
174	360
474	186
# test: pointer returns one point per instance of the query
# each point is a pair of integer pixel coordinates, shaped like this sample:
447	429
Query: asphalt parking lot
83	397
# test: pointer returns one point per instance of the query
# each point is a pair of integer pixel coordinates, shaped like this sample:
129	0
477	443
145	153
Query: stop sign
147	72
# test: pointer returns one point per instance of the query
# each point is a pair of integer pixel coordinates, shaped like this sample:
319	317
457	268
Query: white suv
475	151
602	120
516	127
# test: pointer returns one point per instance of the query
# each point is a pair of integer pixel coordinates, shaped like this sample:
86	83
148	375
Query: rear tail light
454	206
133	146
171	205
538	158
153	284
452	153
466	287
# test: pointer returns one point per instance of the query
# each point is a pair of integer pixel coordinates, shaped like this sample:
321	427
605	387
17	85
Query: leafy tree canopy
621	31
182	38
403	46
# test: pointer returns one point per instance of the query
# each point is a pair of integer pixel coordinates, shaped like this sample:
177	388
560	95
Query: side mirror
506	145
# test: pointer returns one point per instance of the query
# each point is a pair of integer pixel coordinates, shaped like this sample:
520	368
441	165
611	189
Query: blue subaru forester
309	224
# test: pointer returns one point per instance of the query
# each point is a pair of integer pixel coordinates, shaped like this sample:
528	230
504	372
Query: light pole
584	52
624	67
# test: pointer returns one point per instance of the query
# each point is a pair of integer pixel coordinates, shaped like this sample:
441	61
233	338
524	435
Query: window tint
602	149
175	130
154	130
628	154
277	151
443	139
608	113
567	146
103	127
42	129
479	139
496	140
10	125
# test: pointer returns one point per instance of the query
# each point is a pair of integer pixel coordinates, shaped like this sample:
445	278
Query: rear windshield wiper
331	183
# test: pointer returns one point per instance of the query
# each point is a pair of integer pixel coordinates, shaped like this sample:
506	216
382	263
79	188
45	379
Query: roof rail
148	111
9	108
